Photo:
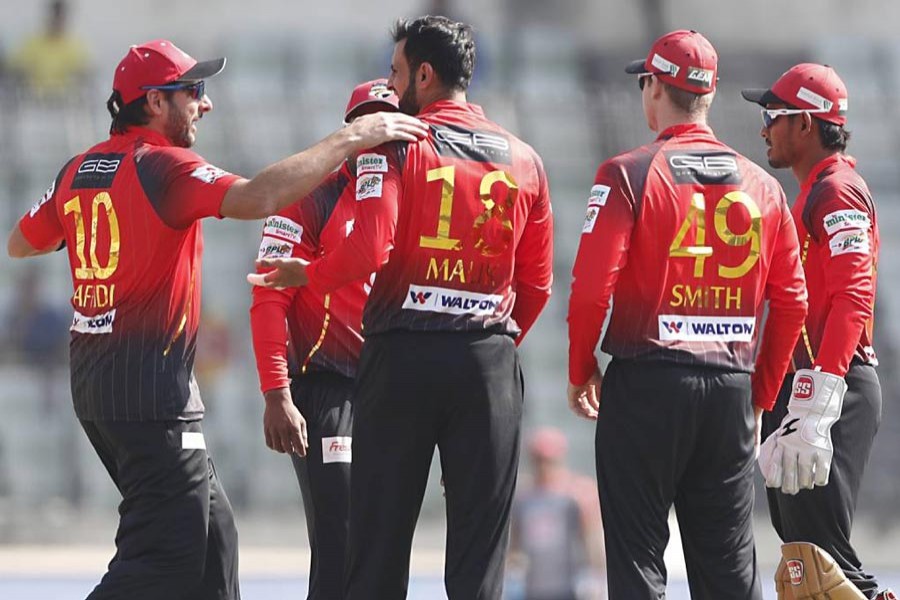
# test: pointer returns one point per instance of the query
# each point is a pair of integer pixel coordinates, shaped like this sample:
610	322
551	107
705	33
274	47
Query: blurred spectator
53	62
556	528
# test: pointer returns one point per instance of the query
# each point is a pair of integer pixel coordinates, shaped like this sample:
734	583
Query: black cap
761	96
203	70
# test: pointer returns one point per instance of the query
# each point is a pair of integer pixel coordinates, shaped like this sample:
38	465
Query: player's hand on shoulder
372	130
283	425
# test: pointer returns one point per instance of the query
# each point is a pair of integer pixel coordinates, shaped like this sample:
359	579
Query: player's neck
808	161
668	116
449	95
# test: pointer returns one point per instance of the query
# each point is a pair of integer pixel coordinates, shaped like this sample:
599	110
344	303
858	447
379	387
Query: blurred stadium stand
552	76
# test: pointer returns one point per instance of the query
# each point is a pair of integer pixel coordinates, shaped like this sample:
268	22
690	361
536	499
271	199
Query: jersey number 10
94	270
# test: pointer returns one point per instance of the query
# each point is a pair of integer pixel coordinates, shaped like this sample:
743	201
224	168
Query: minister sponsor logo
453	302
697	328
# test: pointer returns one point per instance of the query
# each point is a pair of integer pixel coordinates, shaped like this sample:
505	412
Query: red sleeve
292	232
602	254
786	293
534	259
845	252
41	225
367	247
182	186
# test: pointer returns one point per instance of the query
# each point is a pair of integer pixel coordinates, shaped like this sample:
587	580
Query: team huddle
402	261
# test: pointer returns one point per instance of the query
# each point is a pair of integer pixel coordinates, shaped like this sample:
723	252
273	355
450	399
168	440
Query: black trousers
176	536
824	515
463	393
685	435
326	402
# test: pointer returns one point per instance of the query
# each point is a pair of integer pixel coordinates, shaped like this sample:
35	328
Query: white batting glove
798	455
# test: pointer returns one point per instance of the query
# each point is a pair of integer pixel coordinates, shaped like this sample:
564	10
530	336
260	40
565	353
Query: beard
178	128
409	102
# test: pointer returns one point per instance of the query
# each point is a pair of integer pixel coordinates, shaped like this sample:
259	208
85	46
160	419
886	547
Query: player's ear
425	75
155	100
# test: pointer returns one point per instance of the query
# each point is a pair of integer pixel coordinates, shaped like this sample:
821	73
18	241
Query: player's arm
534	259
283	425
366	249
39	230
846	254
602	254
786	293
18	246
294	177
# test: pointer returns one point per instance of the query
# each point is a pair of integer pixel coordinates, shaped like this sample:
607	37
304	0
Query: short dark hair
133	114
448	46
833	137
687	102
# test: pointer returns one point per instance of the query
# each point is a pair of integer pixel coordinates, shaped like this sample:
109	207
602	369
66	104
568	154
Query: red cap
548	443
159	62
371	91
808	86
683	58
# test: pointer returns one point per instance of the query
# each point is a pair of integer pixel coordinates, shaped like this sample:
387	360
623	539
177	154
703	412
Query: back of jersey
467	194
707	224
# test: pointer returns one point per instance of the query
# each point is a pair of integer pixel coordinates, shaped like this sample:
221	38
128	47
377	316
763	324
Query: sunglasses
642	79
770	114
197	90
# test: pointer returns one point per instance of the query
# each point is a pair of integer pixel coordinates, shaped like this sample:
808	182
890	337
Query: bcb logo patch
795	570
804	389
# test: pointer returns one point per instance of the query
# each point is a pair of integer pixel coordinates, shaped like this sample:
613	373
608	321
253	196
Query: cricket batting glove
797	456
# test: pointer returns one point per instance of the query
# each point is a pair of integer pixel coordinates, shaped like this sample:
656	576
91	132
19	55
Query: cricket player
689	238
459	229
820	433
127	211
311	409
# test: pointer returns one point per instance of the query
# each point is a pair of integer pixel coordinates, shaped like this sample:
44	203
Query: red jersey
689	237
324	327
461	223
128	211
838	232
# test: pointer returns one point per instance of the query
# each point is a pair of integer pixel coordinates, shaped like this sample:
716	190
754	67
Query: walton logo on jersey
697	328
102	323
453	302
419	297
704	168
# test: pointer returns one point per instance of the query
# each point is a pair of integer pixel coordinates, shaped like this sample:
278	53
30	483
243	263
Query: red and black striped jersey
128	211
325	327
838	232
458	226
689	238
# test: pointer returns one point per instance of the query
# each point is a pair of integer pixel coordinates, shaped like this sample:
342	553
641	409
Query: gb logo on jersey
369	186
